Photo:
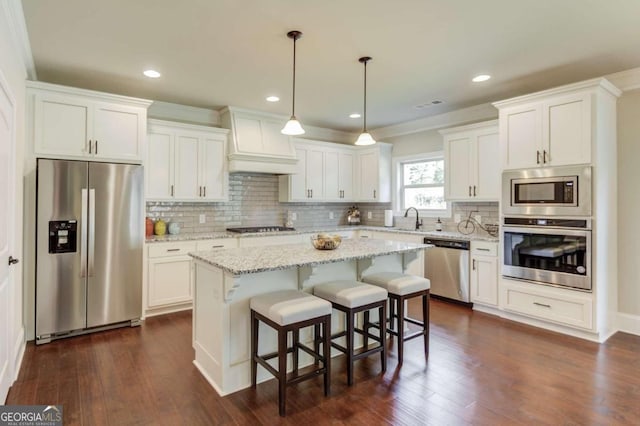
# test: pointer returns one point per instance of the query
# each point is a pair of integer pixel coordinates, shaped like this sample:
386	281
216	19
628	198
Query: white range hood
256	144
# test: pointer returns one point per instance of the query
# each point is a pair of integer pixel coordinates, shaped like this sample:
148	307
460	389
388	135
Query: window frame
398	184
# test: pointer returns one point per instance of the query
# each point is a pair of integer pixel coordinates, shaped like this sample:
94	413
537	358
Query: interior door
116	209
8	295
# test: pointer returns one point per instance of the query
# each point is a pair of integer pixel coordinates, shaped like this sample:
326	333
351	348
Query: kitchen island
225	281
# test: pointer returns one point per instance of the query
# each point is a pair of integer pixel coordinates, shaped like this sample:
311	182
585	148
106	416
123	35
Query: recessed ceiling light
152	73
480	78
354	115
272	99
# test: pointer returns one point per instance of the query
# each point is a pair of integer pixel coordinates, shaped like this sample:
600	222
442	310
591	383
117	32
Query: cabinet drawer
576	312
220	243
484	248
171	249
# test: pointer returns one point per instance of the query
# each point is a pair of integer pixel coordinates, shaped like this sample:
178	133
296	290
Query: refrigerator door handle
83	234
92	229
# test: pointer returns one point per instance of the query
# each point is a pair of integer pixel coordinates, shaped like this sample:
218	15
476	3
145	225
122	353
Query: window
421	185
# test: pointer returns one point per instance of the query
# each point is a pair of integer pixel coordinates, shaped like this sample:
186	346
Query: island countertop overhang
250	260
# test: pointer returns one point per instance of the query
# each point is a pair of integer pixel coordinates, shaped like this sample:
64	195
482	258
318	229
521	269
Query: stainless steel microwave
548	191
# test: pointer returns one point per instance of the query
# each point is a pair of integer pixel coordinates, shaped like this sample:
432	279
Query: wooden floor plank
481	370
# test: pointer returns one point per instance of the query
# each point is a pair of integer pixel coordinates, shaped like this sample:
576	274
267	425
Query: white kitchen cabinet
374	173
257	144
484	273
186	162
324	173
81	124
470	154
551	128
169	274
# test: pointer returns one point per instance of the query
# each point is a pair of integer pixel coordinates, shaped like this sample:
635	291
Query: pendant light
365	138
293	126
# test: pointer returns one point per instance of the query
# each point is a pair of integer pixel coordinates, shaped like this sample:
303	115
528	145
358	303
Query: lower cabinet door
169	281
484	280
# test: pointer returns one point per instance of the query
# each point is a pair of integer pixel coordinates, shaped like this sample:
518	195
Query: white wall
629	203
14	72
416	143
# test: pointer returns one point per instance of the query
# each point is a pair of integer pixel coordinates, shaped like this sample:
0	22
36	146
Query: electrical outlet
456	218
203	218
294	216
330	215
369	215
478	218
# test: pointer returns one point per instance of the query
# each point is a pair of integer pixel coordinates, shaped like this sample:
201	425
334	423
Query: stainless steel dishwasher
447	267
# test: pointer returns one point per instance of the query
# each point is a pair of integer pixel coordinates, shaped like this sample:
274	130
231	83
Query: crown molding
625	80
475	113
18	29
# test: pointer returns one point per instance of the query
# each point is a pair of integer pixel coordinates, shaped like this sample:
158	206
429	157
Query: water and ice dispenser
63	236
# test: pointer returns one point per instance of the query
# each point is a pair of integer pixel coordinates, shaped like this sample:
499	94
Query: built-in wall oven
551	251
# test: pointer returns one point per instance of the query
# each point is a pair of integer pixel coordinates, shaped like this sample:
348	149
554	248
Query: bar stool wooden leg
254	348
365	328
382	314
350	317
400	302
294	355
282	371
326	342
392	315
316	342
425	320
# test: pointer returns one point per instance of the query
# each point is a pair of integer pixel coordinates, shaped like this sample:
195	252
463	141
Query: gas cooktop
249	229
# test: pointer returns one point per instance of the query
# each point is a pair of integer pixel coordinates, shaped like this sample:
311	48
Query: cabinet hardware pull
474	190
544	156
90	146
199	191
204	191
172	190
542	304
537	157
474	265
96	150
173	249
469	190
364	236
482	249
220	246
312	193
374	193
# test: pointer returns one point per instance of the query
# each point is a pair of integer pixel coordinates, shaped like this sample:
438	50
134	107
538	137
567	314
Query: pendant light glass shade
365	138
293	126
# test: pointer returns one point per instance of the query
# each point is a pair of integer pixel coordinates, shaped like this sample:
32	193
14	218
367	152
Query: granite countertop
249	260
311	230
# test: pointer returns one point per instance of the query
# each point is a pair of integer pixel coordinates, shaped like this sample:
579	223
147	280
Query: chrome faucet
418	221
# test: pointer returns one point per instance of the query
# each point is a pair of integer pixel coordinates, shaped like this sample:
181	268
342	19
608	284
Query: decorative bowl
326	241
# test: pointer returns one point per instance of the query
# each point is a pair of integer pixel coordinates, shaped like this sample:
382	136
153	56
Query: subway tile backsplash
253	201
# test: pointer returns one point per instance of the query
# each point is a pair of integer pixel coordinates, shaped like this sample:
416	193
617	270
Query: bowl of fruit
326	241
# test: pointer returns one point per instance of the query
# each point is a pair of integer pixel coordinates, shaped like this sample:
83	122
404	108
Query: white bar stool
402	287
352	297
285	311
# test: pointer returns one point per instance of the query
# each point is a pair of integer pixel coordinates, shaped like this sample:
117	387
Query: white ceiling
213	53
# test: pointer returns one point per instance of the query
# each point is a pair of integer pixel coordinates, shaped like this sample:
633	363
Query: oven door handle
546	230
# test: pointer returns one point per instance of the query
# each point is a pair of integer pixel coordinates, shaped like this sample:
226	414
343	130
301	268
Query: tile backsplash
253	201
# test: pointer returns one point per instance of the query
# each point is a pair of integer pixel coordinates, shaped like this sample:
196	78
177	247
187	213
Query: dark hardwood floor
481	370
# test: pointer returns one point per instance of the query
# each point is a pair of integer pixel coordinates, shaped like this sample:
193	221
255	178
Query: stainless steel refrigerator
90	235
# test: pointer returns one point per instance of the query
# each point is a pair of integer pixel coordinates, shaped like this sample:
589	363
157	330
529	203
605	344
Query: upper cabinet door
214	180
62	125
521	136
159	167
118	132
488	180
186	172
368	167
346	168
331	174
315	173
460	176
566	125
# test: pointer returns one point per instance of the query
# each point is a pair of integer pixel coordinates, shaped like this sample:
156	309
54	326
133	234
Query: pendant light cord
365	97
293	109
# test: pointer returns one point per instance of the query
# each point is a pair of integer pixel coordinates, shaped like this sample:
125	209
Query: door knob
13	260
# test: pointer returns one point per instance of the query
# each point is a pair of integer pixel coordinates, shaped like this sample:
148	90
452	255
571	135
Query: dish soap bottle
438	225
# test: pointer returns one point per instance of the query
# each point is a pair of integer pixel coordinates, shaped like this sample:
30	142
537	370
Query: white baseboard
18	354
628	323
